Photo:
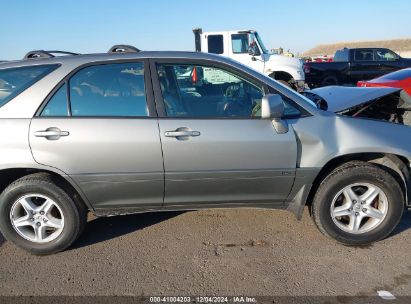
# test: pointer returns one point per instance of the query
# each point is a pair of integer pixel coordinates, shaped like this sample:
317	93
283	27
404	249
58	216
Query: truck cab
248	48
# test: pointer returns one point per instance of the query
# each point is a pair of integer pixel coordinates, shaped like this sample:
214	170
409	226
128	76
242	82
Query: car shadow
404	224
105	228
2	239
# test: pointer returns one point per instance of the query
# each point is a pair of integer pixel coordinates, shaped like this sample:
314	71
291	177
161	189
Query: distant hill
401	46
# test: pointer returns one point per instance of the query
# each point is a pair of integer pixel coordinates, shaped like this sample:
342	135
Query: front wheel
358	204
38	215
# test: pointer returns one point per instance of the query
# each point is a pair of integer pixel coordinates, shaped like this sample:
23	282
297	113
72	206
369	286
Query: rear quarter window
341	56
13	81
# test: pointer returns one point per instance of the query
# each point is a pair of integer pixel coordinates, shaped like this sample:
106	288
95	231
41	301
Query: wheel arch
396	165
9	175
282	75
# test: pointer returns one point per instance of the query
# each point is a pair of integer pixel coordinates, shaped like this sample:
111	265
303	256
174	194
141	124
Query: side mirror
272	106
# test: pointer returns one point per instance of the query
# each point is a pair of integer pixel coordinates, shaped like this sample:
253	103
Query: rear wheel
329	80
358	204
39	216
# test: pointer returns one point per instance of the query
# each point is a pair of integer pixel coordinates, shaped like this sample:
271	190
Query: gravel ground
210	252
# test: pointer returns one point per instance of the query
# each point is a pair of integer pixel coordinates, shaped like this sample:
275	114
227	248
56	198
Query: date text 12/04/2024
203	299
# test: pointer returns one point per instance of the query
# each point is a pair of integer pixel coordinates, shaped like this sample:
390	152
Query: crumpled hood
340	98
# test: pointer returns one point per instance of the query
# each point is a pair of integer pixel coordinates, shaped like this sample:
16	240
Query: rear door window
13	81
341	56
114	90
364	55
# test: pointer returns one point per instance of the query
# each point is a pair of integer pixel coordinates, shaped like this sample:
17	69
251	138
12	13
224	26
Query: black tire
329	80
75	213
350	173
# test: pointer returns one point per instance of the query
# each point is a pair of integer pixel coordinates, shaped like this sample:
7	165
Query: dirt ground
210	252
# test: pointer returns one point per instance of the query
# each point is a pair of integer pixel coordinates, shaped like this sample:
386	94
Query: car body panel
331	136
14	144
233	160
399	79
115	161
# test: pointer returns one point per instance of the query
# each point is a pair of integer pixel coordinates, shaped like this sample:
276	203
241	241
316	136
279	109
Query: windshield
260	42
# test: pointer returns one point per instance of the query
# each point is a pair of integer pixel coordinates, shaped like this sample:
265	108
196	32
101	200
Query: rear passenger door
216	147
99	127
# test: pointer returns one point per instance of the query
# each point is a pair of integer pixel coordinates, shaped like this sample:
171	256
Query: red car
398	79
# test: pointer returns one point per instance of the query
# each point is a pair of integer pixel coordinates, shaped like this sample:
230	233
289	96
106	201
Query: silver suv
131	131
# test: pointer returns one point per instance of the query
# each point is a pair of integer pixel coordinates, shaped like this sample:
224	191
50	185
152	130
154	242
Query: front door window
201	91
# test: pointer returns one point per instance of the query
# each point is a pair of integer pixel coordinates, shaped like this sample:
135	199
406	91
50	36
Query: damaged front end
388	104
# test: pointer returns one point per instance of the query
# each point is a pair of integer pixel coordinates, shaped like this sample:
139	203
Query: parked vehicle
399	79
248	48
127	132
352	65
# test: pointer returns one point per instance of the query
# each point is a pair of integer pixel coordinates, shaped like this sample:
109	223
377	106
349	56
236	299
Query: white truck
248	48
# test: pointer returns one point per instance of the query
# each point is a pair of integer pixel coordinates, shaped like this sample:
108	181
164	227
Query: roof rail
123	48
46	54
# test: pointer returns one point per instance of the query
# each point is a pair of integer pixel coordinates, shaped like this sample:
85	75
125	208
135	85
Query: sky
95	25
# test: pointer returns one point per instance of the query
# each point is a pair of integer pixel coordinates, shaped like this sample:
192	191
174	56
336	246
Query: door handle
182	133
51	133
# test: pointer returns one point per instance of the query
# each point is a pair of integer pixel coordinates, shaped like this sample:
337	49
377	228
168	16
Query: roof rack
46	54
123	48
